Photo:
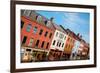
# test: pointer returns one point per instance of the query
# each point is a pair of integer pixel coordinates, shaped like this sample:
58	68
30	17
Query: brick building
34	33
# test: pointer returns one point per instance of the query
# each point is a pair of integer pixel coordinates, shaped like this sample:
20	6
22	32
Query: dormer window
27	12
39	19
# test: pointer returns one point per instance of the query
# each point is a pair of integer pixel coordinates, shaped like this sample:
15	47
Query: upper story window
39	19
46	33
61	36
29	26
40	33
24	40
62	44
22	24
50	35
28	49
31	42
56	34
42	44
37	43
59	44
35	29
47	45
54	42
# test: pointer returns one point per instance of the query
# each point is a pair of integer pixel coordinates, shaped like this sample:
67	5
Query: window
46	33
39	19
50	35
29	26
62	44
41	32
24	40
42	44
22	24
27	12
48	23
45	22
54	42
56	34
59	44
34	29
22	52
31	42
28	49
33	15
47	45
61	36
65	38
37	43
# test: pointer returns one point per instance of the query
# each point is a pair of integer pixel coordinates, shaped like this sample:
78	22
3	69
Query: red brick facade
39	33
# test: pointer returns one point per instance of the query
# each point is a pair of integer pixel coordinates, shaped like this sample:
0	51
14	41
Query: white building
75	49
59	38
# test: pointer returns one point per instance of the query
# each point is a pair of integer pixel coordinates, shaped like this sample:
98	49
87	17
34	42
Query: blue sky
75	21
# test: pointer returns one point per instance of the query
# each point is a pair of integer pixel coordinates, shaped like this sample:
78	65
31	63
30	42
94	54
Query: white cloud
73	19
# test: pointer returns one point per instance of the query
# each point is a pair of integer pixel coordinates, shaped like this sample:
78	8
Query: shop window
22	52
